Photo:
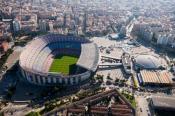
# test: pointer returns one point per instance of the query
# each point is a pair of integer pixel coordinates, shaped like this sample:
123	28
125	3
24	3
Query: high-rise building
51	27
123	31
64	23
16	25
85	22
42	25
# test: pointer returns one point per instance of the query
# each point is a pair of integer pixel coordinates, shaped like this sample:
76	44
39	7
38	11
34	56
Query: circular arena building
58	60
146	61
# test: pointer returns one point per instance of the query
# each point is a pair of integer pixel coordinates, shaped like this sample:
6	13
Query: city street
142	106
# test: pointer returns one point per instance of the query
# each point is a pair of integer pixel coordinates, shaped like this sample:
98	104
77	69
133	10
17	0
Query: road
142	106
15	110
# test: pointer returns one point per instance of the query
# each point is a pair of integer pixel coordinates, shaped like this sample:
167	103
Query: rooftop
156	77
148	61
106	103
163	102
88	58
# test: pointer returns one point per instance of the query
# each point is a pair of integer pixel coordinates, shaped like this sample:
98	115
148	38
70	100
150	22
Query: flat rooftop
163	102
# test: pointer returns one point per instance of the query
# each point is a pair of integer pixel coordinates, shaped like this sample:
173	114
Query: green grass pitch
64	64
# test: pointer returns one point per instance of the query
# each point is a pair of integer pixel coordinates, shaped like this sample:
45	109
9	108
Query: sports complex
58	59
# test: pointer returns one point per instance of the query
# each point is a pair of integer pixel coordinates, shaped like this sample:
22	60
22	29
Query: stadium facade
36	60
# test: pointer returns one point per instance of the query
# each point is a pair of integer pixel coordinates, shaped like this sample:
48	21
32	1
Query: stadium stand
38	56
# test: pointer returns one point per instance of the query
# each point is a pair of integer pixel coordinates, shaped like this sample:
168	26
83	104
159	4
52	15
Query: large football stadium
58	60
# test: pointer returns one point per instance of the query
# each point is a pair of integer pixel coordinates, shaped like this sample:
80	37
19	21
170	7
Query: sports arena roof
88	58
14	57
147	61
38	55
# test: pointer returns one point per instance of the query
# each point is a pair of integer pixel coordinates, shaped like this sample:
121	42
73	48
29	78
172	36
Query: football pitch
64	64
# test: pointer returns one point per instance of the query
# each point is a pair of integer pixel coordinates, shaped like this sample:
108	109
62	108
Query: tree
33	114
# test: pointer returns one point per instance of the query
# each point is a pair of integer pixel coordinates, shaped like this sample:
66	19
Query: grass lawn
64	64
33	114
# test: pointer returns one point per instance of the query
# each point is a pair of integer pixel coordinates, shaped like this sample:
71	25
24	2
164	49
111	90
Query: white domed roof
147	61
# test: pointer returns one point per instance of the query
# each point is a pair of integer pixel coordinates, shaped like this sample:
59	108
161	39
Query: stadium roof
147	61
88	58
163	102
37	56
14	57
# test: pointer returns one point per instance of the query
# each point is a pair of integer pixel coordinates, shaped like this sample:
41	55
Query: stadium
58	60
